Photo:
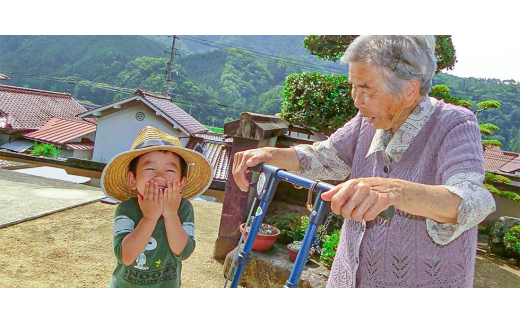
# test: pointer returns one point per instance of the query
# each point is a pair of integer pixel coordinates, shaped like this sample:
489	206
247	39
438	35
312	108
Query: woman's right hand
246	159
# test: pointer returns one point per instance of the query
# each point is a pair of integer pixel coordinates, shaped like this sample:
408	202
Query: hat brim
114	177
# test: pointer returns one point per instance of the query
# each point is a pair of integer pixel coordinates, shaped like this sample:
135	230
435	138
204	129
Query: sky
495	24
499	58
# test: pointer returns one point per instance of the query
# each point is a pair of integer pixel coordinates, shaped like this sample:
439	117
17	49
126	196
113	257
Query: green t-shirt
156	266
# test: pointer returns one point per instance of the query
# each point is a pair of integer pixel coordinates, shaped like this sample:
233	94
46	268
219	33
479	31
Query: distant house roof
18	145
511	166
217	149
29	109
85	144
162	104
497	160
62	131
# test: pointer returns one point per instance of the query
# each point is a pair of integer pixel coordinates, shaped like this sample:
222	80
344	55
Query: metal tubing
318	212
265	195
244	256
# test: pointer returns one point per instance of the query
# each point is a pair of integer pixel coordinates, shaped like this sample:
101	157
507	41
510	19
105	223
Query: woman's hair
398	58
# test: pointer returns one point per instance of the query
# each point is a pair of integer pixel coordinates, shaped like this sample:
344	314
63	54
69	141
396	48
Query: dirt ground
73	248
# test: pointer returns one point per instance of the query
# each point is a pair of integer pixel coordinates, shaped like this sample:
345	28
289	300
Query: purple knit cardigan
399	252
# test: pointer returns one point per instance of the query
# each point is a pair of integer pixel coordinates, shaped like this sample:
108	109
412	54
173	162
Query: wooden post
250	131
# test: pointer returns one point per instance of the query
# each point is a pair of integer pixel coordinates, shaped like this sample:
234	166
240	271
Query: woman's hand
363	198
151	202
172	199
245	159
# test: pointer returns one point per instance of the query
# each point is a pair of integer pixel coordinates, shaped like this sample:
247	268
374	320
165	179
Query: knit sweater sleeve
461	171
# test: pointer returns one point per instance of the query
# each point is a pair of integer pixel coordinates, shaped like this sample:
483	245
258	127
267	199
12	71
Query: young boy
154	225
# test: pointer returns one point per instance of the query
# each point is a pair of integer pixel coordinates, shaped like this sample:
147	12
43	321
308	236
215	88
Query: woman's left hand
363	198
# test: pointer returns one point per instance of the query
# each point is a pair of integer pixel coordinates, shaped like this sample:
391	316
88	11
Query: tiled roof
61	131
165	104
29	109
85	144
495	158
512	166
217	149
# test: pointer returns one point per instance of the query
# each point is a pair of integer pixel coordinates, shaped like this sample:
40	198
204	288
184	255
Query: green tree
317	101
332	47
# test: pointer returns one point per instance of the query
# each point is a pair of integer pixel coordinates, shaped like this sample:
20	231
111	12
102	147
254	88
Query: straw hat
114	178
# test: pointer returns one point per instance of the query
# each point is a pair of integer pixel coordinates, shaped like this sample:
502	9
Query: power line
271	57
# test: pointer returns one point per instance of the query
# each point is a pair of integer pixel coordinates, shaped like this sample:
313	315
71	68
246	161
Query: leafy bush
320	101
287	224
492	178
491	143
512	241
330	245
45	150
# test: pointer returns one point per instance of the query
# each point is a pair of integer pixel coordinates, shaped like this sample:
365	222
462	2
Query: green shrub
492	178
45	150
286	224
512	241
330	245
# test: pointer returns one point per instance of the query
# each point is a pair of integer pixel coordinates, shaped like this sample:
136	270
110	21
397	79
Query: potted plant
267	235
293	249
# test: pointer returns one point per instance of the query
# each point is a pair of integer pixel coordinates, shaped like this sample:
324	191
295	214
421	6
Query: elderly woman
403	149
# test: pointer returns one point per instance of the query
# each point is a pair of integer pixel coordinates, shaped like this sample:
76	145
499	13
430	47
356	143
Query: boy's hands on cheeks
151	202
172	199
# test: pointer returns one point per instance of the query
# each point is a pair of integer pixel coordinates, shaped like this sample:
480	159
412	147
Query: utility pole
169	66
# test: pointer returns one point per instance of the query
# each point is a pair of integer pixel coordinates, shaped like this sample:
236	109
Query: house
24	110
119	122
73	138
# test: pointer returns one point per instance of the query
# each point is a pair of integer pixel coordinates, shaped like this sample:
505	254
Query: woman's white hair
398	58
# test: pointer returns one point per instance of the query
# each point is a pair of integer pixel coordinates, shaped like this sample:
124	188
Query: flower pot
262	242
293	248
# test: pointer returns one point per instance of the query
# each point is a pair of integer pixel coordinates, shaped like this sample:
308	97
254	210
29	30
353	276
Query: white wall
117	131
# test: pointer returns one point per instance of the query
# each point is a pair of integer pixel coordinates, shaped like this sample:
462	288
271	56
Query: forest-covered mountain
215	78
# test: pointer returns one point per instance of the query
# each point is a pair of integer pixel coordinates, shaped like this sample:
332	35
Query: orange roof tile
61	131
495	158
29	109
511	166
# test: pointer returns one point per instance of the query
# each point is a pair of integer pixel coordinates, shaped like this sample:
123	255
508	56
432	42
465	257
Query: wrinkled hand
172	198
245	159
363	198
151	202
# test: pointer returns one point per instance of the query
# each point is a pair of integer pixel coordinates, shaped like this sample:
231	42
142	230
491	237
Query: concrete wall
505	207
82	154
117	131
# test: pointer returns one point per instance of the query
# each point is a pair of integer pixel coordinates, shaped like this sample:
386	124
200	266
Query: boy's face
158	166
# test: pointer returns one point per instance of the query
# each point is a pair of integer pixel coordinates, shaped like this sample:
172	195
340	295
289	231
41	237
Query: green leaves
315	100
488	128
332	47
45	150
330	245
